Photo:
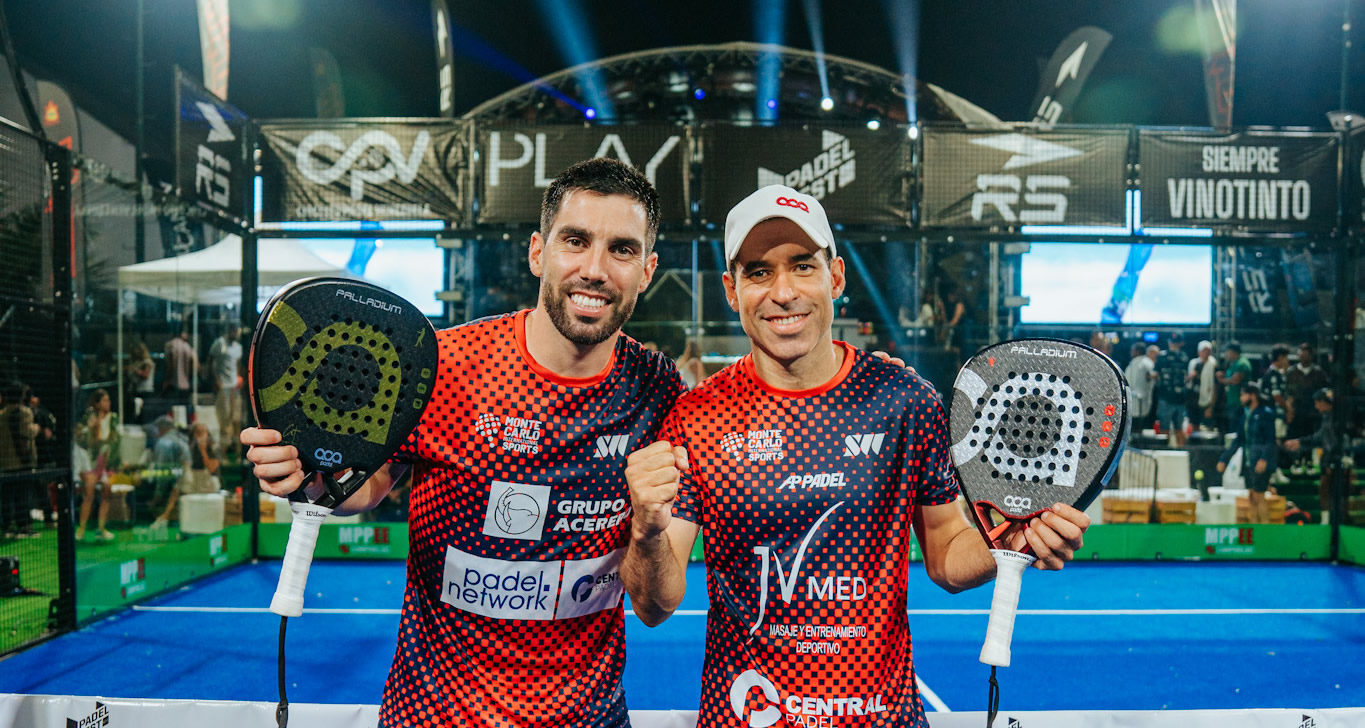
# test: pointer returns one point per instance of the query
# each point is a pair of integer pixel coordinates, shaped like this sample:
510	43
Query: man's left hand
1055	536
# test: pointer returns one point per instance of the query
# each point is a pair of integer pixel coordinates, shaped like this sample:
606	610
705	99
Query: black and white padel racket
1033	422
343	370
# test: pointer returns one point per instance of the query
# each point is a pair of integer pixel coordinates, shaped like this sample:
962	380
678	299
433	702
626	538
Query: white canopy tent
213	276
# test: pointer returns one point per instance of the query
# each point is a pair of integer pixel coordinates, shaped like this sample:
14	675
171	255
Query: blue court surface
1147	636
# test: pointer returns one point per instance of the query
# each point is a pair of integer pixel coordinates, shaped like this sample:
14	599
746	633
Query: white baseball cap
772	202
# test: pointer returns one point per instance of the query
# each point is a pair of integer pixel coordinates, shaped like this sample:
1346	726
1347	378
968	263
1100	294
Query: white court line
912	612
932	697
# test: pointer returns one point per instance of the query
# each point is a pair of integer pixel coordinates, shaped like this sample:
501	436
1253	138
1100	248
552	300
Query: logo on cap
788	202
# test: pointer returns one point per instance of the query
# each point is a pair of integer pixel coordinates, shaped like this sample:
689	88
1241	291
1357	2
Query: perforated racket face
1036	422
343	369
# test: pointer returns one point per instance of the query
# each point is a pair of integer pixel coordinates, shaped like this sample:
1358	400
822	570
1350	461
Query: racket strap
992	700
282	710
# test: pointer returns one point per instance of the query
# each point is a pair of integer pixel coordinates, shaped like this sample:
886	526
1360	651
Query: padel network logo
516	510
98	718
532	589
832	169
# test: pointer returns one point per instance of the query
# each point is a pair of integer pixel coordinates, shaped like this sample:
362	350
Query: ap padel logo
98	718
832	169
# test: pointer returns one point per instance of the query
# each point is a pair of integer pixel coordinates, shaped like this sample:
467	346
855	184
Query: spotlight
913	132
772	103
873	124
698	94
590	112
827	104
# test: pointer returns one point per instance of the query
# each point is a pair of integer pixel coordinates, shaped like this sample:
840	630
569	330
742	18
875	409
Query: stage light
698	94
772	103
873	124
913	132
827	104
590	113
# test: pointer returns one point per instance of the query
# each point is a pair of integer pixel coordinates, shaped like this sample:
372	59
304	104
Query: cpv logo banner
321	171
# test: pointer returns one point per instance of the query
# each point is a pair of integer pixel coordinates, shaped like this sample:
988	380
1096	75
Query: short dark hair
1252	388
1306	345
1233	346
602	176
1278	351
1323	395
1176	336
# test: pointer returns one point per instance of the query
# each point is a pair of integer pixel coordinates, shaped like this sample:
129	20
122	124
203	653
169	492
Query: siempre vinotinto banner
520	161
210	156
364	170
1253	180
860	176
976	178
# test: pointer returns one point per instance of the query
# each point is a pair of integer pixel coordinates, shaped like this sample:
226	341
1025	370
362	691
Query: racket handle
1009	576
298	556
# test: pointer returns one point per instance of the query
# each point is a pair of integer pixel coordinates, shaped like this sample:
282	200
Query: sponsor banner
539	590
53	711
1066	73
364	170
370	540
1251	180
210	156
445	58
518	162
107	586
214	44
1217	24
860	176
976	178
1260	542
1260	281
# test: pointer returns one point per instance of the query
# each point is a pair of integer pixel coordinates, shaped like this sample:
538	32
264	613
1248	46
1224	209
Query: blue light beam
770	19
817	43
903	19
568	25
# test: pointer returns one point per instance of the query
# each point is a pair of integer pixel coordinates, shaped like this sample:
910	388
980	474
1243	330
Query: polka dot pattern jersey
805	499
518	521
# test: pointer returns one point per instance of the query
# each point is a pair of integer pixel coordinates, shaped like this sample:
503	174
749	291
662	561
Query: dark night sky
988	51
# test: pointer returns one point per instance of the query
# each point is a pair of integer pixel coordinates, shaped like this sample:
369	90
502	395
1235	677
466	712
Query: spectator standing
1171	366
225	363
1237	374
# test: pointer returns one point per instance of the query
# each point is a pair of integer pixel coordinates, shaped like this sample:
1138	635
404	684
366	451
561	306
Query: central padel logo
739	697
609	446
867	444
98	718
803	710
516	510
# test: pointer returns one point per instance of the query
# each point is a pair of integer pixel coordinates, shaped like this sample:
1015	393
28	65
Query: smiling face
592	265
783	286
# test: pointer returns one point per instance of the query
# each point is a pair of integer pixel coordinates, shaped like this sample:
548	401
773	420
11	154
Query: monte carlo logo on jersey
832	169
755	445
611	446
516	510
514	434
863	444
810	712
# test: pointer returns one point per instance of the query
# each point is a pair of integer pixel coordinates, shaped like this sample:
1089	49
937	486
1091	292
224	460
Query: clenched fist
653	474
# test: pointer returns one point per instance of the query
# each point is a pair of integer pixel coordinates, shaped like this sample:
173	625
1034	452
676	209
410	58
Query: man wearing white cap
809	464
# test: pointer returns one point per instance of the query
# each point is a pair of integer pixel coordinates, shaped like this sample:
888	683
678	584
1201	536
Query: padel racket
1033	422
343	370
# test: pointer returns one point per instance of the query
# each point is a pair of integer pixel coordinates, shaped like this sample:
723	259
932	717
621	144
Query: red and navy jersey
805	499
519	518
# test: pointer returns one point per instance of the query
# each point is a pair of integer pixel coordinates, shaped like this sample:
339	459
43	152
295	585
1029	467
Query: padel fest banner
860	176
210	156
995	178
359	170
1259	181
518	162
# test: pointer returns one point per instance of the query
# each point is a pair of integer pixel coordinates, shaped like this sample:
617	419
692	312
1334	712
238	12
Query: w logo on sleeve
610	446
863	444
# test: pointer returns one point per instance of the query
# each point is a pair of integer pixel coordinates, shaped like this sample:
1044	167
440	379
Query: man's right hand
653	474
277	466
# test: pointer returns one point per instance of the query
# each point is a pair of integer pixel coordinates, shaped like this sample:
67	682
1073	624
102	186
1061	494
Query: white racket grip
1009	576
298	556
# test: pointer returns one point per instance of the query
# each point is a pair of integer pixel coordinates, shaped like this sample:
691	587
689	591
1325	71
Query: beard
580	332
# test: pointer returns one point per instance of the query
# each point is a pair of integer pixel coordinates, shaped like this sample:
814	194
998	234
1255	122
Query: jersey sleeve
937	478
689	503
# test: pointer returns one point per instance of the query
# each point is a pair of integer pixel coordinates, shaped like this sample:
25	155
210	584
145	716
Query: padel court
1096	636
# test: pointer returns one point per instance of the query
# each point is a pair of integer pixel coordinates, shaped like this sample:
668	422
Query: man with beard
519	482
